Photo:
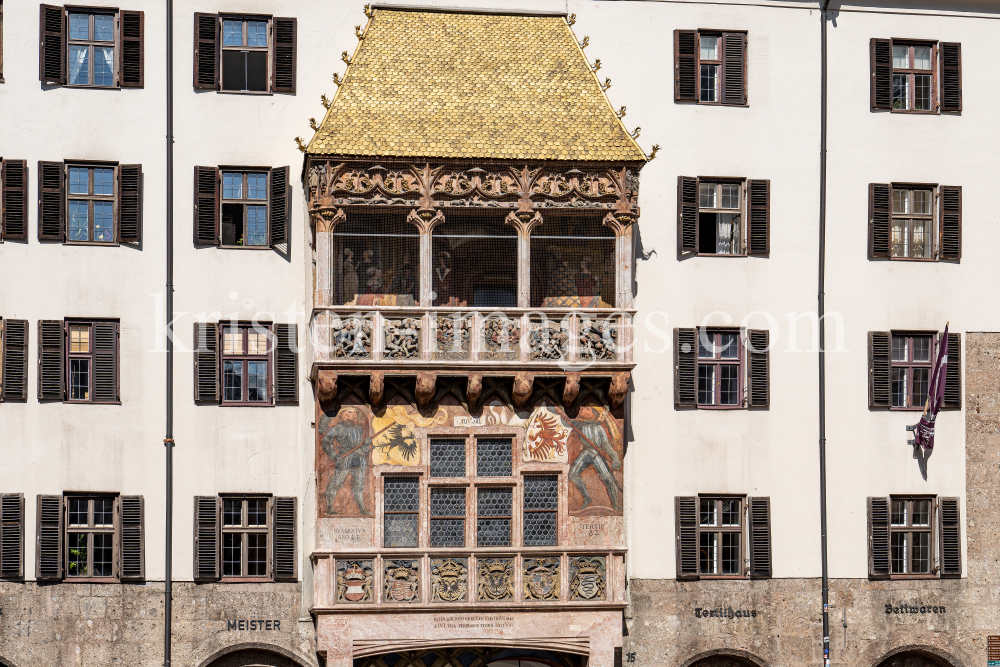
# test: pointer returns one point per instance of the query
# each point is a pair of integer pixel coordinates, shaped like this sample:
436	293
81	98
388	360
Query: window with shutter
953	374
206	206
686	522
951	77
206	538
51	205
49	538
758	373
133	562
710	67
951	222
279	210
14	373
878	538
900	365
687	214
91	361
878	369
285	520
686	369
14	221
51	352
93	47
12	535
206	51
712	532
283	76
206	362
52	45
685	66
286	363
132	59
760	538
130	203
951	538
759	215
723	216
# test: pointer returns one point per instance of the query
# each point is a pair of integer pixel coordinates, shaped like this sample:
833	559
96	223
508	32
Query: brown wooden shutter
12	535
52	44
206	51
686	521
15	360
49	538
759	374
953	374
206	361
951	538
283	75
133	562
51	345
278	203
734	68
878	538
686	370
206	206
132	55
760	538
879	215
759	215
206	538
685	66
951	222
130	203
881	73
687	214
878	369
51	202
286	363
951	76
284	520
14	222
105	362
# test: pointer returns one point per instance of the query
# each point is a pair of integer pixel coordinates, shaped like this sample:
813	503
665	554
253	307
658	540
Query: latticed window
447	517
448	457
541	504
910	522
911	368
912	223
572	263
245	359
493	457
474	261
376	260
244	537
720	536
91	49
91	204
401	506
244	54
90	537
719	368
494	514
913	74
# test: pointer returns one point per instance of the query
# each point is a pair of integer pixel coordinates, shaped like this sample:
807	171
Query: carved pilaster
425	219
426	384
323	222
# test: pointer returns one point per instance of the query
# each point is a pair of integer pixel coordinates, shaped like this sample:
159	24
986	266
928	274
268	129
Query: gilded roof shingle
448	85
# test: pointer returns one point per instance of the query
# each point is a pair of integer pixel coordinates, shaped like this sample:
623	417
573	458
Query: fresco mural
352	440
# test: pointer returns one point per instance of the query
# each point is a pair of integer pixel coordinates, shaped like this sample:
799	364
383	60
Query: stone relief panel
495	579
402	580
351	338
501	339
402	338
588	578
541	579
598	340
449	579
548	340
354	580
452	338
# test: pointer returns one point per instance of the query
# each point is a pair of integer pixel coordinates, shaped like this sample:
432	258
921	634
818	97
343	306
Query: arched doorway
723	661
253	657
913	659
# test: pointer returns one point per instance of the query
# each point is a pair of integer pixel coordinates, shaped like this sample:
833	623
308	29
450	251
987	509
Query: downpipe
168	439
821	311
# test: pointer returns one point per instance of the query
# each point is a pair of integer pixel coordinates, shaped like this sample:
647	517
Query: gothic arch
916	656
253	655
724	658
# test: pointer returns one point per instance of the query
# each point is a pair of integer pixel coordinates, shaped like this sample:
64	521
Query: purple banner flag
924	430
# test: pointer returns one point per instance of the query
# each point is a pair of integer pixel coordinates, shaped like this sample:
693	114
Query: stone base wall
100	625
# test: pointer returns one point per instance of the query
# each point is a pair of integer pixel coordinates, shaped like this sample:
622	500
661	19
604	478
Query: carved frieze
588	578
402	338
452	337
598	340
548	340
402	580
352	338
501	338
449	579
541	579
354	581
495	579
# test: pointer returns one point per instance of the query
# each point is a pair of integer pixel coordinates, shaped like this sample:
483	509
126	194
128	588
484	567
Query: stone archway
913	659
724	658
253	657
723	661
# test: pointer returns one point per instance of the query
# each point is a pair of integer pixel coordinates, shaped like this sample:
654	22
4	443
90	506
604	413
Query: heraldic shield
402	581
496	579
449	579
354	581
541	579
587	578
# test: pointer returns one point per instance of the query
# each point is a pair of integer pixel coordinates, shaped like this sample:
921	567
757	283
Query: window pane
104	512
104	181
730	346
448	458
709	48
448	503
232	33
493	532
76	565
79	26
401	530
79	338
257	380
729	389
256	33
899	388
922	201
900	91
899	352
540	529
541	492
922	92
730	195
901	57
494	501
921	512
402	494
898	517
78	512
899	238
920	245
232	340
256	186
707	195
706	384
706	345
232	554
257	512
232	185
921	348
79	379
256	341
79	65
493	457
447	532
256	225
232	512
79	221
104	27
104	221
103	543
921	57
900	201
709	83
78	184
897	552
920	378
233	380
234	70
706	512
728	234
257	70
707	545
104	66
731	512
921	563
731	553
257	555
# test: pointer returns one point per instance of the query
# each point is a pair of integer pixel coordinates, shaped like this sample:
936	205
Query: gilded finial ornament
346	58
621	112
368	11
656	148
571	19
312	124
596	66
636	131
336	79
326	102
358	32
586	42
606	84
302	146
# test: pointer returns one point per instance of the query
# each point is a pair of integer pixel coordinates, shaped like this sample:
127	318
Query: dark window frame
269	50
719	63
90	198
909	364
244	202
68	356
741	212
933	217
245	530
90	530
718	529
245	357
909	529
911	72
717	362
116	43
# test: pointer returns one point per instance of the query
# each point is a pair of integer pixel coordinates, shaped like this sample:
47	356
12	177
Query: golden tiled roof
450	85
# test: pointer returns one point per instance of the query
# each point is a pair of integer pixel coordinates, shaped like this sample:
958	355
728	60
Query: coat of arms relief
495	578
587	578
402	580
541	579
354	581
449	579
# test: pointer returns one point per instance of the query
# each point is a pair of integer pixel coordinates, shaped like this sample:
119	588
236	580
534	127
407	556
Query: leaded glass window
447	517
493	457
541	504
448	457
401	504
493	516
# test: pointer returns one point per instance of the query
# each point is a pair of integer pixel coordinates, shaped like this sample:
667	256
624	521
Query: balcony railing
572	339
